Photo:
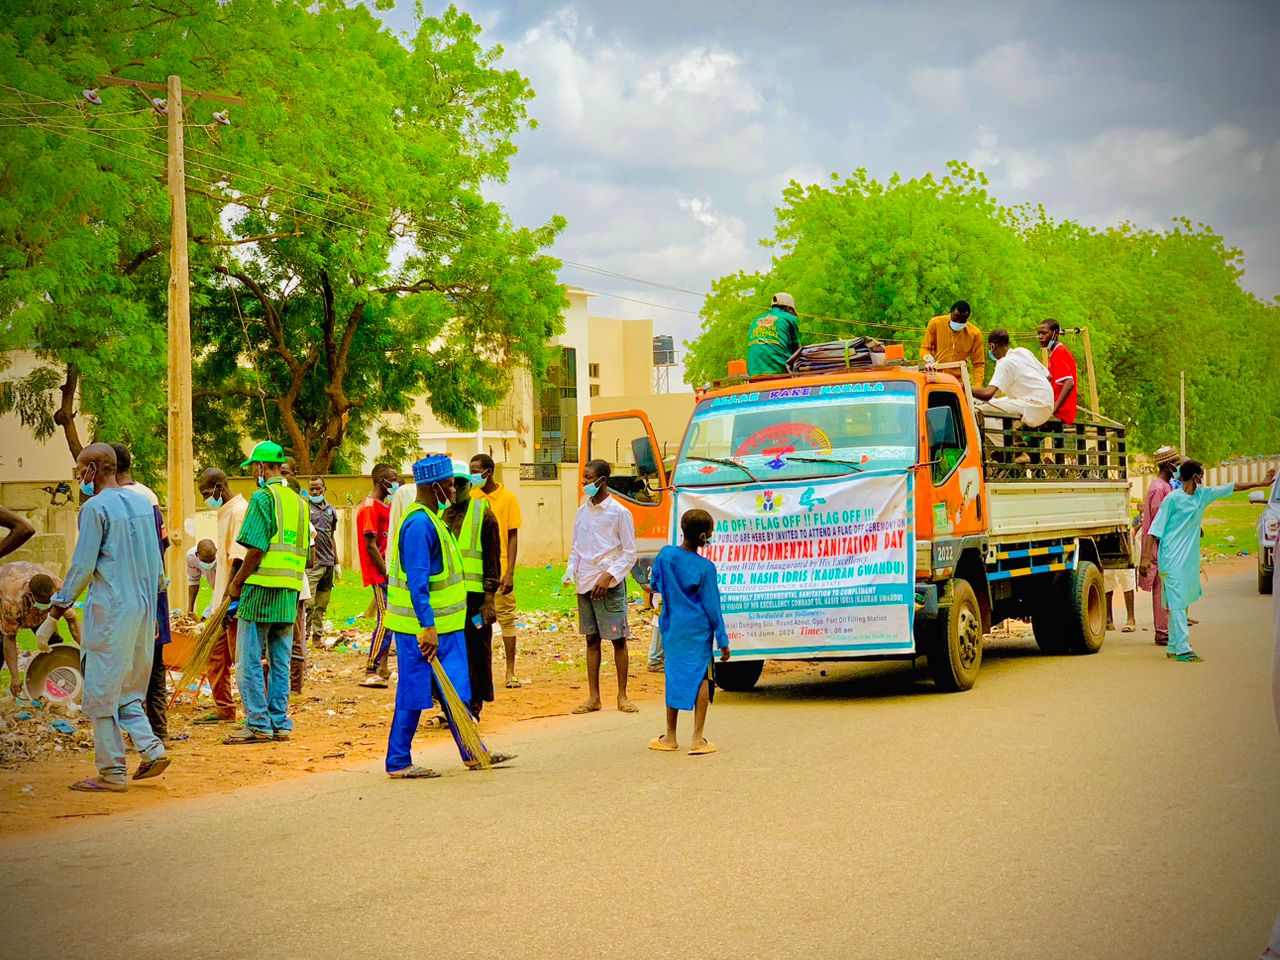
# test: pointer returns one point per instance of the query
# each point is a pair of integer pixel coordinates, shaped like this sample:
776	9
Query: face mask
214	502
591	489
316	497
477	480
41	606
441	506
87	488
393	486
992	357
207	566
957	327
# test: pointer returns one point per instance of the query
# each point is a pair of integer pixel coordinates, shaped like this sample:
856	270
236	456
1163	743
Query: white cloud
1022	75
939	90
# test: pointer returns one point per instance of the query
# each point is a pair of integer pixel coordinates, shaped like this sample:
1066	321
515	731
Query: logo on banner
769	502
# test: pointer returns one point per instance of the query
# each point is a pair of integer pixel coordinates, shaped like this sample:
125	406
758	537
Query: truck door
626	442
956	474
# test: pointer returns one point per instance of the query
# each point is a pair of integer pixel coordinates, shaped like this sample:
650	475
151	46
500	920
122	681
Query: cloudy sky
668	129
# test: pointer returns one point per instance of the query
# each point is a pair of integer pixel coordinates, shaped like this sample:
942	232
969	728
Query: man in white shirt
1019	387
604	551
202	564
231	509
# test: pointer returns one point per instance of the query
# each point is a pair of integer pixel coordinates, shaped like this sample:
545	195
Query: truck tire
1049	628
1086	621
1265	580
738	677
953	644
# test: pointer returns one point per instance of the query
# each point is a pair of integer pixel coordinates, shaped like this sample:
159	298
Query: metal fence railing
1084	450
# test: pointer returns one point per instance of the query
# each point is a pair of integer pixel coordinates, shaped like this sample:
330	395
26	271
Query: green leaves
863	257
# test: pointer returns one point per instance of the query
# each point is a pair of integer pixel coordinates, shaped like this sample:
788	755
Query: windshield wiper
725	463
845	463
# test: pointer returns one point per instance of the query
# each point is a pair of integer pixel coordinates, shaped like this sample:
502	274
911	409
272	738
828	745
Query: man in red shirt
1063	376
372	521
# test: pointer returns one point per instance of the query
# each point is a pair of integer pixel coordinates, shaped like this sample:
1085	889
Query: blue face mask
477	480
957	327
213	502
316	498
87	488
441	506
591	489
262	481
41	606
207	565
992	357
393	486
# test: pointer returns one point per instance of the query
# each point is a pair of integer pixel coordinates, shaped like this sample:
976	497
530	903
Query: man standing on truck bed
951	337
1064	378
774	337
1176	531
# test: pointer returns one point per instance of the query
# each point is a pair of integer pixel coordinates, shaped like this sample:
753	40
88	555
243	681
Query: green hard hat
266	452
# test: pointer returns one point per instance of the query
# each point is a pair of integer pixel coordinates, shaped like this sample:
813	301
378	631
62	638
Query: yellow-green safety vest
285	562
470	548
448	591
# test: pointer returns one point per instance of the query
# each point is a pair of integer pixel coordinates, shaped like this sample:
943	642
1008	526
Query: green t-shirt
774	337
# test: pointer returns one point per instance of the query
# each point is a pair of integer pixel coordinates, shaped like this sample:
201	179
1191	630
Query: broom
460	717
198	663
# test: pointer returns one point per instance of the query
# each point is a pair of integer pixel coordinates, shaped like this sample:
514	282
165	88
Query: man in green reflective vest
479	538
426	615
276	536
774	337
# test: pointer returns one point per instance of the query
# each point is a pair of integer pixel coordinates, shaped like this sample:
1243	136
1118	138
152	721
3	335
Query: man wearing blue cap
276	536
426	615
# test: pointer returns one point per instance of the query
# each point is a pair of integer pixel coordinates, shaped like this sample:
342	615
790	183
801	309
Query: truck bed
1057	508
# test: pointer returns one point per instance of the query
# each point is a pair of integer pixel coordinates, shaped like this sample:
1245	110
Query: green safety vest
470	548
285	562
448	591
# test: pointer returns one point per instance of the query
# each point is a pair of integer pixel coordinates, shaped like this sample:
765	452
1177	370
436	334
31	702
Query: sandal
514	684
414	772
245	735
1189	657
373	682
658	744
99	786
706	748
439	722
151	768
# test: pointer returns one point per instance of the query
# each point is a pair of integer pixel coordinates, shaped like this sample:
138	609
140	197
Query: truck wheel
1265	581
1085	625
738	677
1049	628
953	645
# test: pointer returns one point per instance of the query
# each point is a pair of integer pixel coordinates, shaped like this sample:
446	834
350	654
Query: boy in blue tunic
1176	532
689	621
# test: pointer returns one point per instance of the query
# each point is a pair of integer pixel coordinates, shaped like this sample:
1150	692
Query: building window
555	422
595	390
593	371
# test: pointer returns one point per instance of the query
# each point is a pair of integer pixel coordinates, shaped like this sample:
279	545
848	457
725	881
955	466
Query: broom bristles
463	722
198	663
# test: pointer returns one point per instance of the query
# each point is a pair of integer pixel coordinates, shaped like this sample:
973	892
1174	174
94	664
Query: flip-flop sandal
373	683
583	708
151	768
1128	628
413	773
657	744
247	736
706	748
99	786
438	723
514	684
628	707
280	736
1189	657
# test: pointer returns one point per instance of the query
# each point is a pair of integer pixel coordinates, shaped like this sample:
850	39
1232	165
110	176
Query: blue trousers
265	701
108	745
1179	632
415	690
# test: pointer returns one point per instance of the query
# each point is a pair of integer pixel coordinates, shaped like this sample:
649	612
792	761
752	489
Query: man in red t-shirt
372	520
1063	375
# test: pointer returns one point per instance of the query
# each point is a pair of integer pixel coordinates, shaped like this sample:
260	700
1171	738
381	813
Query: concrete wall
622	351
21	455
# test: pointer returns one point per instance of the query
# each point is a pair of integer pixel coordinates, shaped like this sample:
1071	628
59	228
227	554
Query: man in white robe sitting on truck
1019	388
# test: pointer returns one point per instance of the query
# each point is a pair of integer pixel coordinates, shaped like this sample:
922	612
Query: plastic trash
23	715
27	789
62	726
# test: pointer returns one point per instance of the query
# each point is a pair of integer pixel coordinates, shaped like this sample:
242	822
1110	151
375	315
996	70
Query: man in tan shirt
951	338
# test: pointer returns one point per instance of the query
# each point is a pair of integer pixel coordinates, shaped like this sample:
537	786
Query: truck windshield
799	433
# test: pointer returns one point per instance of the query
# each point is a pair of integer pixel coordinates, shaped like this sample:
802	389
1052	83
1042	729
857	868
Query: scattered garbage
62	726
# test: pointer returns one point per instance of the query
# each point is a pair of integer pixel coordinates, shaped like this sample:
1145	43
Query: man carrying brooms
426	616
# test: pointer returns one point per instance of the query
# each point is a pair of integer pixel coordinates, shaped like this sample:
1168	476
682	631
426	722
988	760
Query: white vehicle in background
1268	528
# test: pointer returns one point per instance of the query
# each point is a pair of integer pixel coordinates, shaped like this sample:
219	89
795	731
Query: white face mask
957	327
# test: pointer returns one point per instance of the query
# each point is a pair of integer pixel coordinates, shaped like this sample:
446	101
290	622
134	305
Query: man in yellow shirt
951	338
506	510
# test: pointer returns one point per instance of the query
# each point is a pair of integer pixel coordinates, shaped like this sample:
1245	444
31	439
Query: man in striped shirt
267	613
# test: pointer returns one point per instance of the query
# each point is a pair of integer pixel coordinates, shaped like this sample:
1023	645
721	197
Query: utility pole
181	460
1182	412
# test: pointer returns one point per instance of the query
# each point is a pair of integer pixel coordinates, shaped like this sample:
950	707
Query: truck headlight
1271	528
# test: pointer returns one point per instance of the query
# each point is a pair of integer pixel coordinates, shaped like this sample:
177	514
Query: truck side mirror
941	424
642	454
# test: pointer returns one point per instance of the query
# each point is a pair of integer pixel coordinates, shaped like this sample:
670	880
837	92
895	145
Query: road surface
1108	806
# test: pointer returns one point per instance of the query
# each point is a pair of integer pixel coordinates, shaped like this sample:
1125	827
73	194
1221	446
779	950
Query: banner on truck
808	569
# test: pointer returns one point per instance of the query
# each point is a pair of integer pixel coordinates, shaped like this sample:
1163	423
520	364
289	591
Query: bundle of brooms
198	664
460	717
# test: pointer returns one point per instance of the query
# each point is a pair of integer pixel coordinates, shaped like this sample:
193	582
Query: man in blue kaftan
117	557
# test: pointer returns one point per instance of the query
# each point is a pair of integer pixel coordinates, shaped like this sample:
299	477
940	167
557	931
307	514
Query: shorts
1122	580
640	572
605	618
505	606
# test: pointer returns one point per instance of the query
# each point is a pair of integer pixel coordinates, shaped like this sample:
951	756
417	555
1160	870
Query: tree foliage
344	258
862	257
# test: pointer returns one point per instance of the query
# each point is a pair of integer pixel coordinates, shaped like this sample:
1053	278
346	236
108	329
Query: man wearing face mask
202	564
478	536
604	551
276	536
323	568
117	557
25	590
231	509
1064	377
951	337
372	523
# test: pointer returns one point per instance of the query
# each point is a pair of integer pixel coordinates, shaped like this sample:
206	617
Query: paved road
1109	806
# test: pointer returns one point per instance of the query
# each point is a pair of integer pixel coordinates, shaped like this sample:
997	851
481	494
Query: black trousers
156	705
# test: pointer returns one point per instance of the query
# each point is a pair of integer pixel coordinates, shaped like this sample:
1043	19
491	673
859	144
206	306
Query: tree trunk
65	416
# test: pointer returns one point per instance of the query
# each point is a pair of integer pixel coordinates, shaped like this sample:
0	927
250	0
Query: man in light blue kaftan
117	557
1176	533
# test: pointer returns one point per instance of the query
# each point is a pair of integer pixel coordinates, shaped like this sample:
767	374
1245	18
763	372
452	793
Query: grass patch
1230	526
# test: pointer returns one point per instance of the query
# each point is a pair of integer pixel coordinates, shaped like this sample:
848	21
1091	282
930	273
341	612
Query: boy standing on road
604	551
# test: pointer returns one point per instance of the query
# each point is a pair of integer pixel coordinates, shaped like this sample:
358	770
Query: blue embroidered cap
432	468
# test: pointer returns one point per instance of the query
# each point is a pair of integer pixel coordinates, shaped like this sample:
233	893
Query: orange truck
862	515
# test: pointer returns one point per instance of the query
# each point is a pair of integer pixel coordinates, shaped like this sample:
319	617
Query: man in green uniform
774	337
276	536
